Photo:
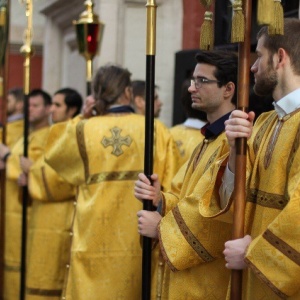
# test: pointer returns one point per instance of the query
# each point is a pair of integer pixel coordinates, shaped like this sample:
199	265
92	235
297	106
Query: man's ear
282	56
128	93
139	101
229	89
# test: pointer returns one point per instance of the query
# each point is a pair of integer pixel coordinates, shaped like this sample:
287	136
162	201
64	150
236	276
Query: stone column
52	58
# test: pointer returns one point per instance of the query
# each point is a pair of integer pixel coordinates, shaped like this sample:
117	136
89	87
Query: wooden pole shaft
241	147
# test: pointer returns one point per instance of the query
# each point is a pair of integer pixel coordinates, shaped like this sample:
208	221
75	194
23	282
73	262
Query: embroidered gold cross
116	141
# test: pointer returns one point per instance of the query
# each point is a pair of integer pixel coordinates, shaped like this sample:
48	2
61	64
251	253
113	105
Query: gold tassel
238	23
206	32
276	25
206	3
265	11
3	16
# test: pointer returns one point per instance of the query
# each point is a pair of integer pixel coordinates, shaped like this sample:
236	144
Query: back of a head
72	99
109	84
226	63
39	92
139	88
289	41
186	101
17	93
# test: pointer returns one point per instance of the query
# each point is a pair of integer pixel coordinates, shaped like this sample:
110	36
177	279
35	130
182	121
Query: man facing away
192	245
16	171
53	208
103	155
269	253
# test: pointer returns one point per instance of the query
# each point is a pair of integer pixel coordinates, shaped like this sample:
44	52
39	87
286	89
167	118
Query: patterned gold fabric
106	252
192	245
13	210
273	210
14	131
49	232
187	139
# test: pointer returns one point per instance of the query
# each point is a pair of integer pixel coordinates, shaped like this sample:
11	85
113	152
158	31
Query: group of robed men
194	219
52	200
90	227
47	216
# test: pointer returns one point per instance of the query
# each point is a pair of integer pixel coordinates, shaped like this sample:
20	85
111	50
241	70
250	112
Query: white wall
18	22
124	42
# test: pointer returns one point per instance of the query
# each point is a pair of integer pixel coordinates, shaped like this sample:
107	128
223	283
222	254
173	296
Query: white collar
287	104
15	117
194	123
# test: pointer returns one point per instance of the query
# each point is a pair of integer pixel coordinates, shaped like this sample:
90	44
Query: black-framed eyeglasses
199	81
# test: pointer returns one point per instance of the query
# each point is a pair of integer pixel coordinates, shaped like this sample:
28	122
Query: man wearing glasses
190	243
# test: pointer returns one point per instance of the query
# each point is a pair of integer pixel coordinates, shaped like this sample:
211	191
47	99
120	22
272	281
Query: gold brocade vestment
49	232
186	138
273	209
14	131
104	156
192	246
272	215
13	210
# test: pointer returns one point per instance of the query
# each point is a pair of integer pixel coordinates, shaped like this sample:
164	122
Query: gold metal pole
151	27
26	49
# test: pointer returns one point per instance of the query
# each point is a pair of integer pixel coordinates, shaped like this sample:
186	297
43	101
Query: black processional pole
26	50
149	137
89	33
4	25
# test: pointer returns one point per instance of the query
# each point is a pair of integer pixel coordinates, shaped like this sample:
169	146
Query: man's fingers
142	177
139	213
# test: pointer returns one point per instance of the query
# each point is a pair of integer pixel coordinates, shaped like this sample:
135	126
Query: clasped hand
25	164
235	252
239	125
148	222
143	189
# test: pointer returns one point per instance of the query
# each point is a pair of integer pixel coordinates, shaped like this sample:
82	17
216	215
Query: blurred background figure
139	96
88	108
66	103
16	174
15	117
52	213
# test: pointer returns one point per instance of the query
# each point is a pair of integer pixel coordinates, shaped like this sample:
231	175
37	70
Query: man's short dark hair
226	63
289	41
139	88
39	92
17	93
72	99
